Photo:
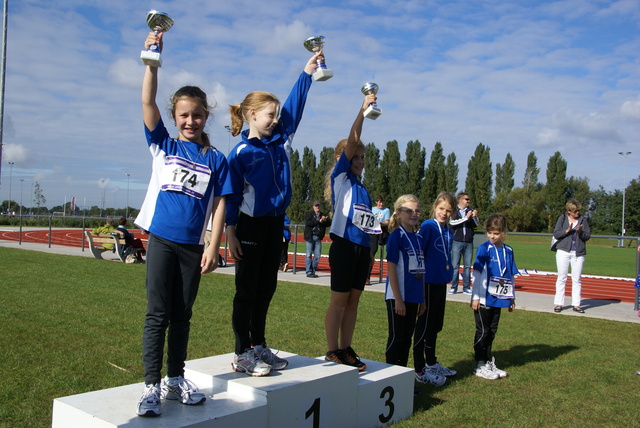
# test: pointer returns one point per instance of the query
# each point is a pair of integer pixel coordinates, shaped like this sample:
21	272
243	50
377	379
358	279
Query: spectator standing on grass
404	294
315	225
463	222
383	215
175	212
493	289
572	232
107	229
436	246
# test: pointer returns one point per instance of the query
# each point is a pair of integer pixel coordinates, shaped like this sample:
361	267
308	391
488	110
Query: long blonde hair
443	197
342	144
394	222
256	100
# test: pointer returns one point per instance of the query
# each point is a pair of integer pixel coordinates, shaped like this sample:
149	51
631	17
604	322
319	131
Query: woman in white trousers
572	232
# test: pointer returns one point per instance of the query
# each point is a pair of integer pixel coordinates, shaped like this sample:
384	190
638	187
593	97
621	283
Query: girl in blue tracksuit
261	179
349	255
493	289
404	293
187	188
436	241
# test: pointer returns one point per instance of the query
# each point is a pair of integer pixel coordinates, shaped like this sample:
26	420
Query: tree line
532	206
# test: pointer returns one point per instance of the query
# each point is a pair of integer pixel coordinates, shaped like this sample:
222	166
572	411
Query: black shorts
349	264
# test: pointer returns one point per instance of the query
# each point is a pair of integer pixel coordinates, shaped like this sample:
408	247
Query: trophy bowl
373	111
315	44
158	22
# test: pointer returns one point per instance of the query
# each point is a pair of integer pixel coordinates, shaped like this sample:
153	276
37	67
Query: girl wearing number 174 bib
187	188
493	289
349	255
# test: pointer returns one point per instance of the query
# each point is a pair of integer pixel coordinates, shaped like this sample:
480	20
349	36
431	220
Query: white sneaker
149	404
179	388
430	376
492	366
249	363
264	353
482	370
442	371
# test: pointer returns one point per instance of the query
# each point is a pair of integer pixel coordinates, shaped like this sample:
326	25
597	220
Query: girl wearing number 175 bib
349	255
493	289
187	188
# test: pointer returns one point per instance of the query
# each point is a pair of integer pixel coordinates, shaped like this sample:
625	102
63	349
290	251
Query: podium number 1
315	411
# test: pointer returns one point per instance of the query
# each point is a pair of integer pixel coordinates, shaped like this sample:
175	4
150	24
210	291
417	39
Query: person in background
107	229
130	241
493	289
436	244
383	215
286	238
404	292
463	222
315	225
572	232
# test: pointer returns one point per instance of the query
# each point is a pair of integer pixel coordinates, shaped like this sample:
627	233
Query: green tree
479	178
525	212
605	217
504	183
578	189
434	176
555	190
373	175
415	157
299	188
309	167
632	202
451	171
392	167
325	166
38	196
530	181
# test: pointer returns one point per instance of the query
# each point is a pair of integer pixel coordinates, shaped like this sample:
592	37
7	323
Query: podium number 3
388	391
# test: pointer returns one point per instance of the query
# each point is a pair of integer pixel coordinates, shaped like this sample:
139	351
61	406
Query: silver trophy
315	44
158	22
373	111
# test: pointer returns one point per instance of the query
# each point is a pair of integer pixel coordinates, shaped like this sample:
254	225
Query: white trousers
563	260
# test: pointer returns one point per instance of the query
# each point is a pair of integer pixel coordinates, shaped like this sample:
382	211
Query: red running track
592	288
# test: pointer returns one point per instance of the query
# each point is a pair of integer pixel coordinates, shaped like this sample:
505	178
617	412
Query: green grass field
74	324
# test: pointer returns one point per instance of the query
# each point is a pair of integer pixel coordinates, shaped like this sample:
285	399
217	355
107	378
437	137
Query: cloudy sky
516	75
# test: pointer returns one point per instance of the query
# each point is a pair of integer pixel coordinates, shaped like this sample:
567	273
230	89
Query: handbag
554	244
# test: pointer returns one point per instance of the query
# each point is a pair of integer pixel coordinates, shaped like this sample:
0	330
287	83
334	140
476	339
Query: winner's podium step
310	392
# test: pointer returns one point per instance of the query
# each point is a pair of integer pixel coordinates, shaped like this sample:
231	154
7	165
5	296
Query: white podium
308	393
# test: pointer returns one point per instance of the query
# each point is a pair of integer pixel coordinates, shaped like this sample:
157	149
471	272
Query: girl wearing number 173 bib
493	289
349	255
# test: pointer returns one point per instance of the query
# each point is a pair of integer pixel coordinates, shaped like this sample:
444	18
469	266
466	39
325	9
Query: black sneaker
351	358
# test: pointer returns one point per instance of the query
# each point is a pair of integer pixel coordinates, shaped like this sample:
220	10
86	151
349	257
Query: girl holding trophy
176	211
349	255
260	176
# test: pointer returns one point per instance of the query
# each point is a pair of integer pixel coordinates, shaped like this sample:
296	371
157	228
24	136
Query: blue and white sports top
436	239
347	191
405	250
492	261
184	181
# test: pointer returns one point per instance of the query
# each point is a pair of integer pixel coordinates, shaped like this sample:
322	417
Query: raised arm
356	128
150	110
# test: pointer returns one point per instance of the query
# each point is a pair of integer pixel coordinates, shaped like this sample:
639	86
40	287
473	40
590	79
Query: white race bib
416	262
181	175
501	288
364	219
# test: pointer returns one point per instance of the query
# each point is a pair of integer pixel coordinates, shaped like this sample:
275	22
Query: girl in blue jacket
261	180
436	241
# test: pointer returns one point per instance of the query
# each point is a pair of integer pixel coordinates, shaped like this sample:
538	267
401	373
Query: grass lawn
74	324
